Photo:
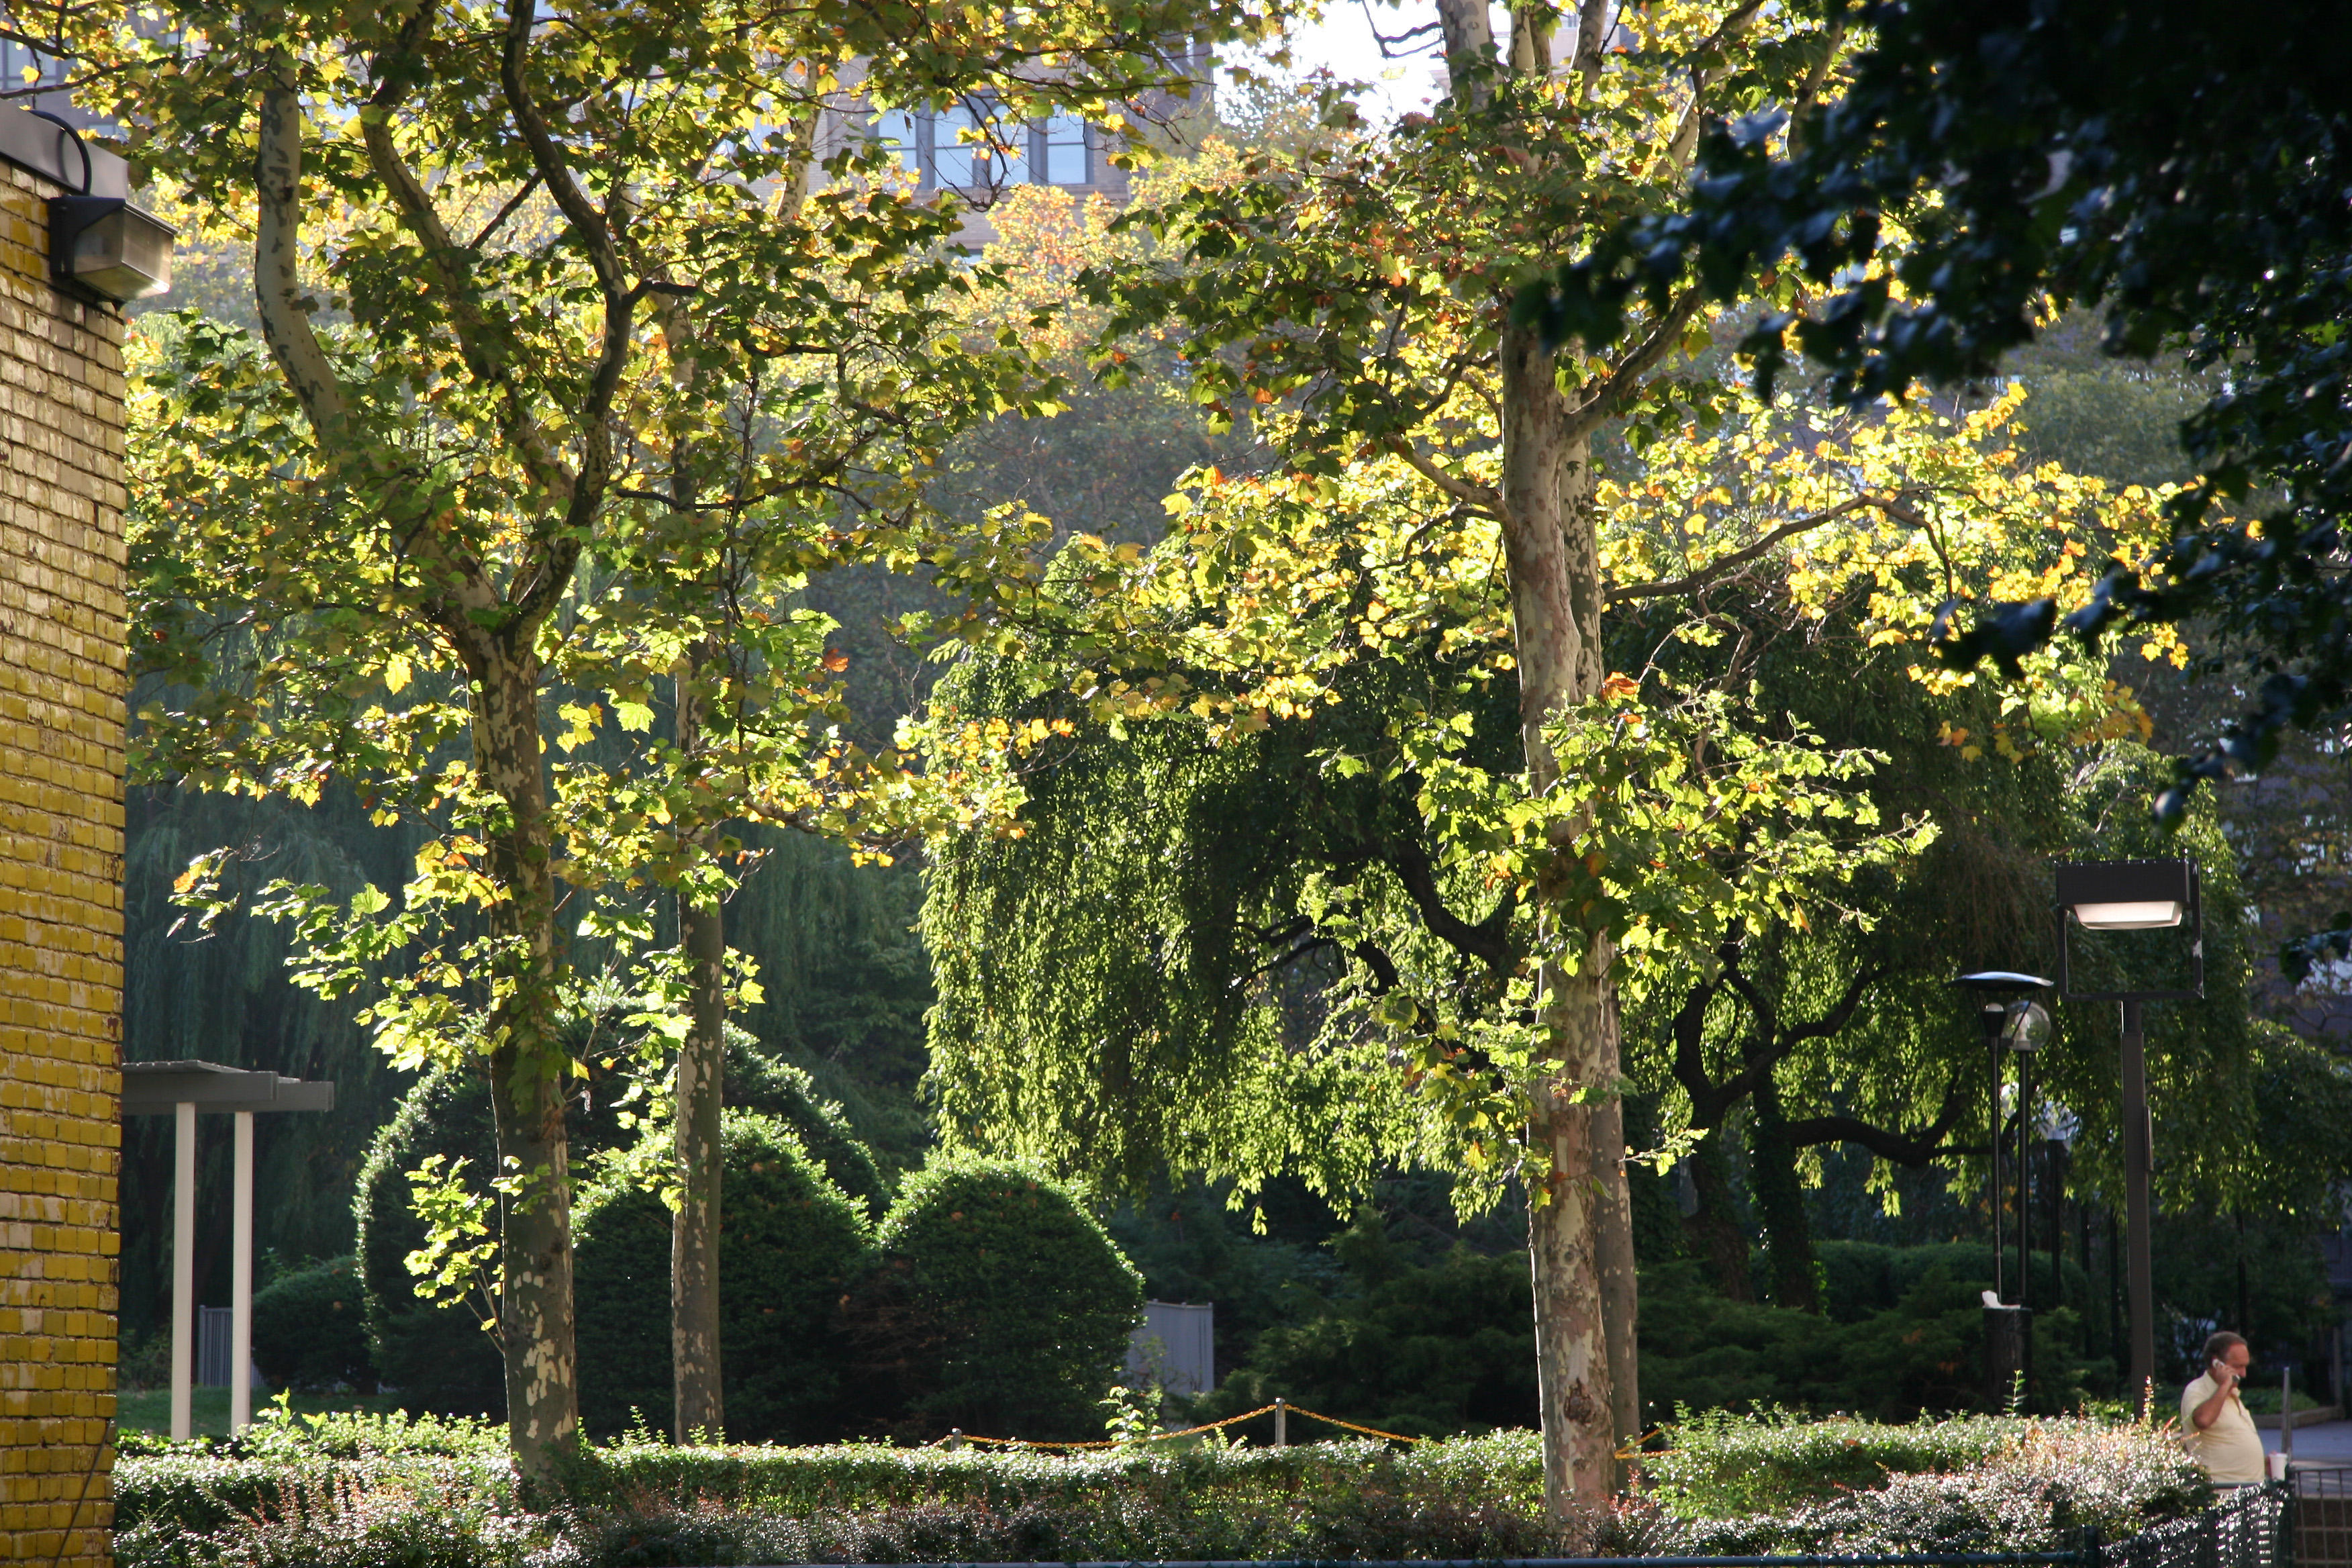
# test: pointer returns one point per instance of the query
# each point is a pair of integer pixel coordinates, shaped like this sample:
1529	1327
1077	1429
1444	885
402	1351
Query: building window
1058	151
899	133
960	155
950	147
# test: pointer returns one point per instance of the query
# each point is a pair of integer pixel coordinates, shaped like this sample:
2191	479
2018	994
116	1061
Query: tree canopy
1984	165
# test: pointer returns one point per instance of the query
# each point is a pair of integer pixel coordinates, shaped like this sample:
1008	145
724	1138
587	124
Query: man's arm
2205	1414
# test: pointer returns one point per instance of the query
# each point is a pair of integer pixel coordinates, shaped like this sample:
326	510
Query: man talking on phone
2214	1426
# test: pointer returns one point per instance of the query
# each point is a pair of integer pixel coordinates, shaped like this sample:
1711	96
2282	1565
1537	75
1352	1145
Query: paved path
2330	1443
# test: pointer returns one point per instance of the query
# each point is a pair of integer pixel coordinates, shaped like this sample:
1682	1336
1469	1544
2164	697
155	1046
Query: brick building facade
62	651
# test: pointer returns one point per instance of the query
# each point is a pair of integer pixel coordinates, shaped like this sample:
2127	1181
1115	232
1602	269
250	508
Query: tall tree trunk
1552	553
1780	1204
1620	1283
530	1081
1713	1231
701	1078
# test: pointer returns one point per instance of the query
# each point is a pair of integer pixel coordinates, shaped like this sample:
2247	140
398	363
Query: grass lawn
150	1409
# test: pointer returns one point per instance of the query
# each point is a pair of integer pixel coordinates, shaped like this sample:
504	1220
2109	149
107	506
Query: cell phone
2221	1370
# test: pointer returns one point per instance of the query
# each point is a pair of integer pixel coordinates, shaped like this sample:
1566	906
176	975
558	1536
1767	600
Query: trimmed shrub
1732	1487
439	1358
1977	1485
309	1328
642	1505
996	1304
759	1082
791	1243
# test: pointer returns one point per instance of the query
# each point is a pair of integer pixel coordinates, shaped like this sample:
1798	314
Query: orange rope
1187	1432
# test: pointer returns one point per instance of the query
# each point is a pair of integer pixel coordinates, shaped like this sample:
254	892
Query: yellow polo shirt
2229	1449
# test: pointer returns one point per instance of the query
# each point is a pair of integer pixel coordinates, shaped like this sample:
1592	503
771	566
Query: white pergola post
184	1266
182	1088
240	1331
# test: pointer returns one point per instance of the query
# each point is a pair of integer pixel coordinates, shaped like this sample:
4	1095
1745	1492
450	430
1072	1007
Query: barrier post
1281	1425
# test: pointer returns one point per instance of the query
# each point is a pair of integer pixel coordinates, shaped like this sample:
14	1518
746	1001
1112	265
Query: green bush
439	1358
996	1305
759	1082
1912	1341
1732	1486
792	1243
1426	1352
309	1328
331	1494
644	1504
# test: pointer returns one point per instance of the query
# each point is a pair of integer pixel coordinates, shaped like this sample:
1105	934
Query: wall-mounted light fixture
108	247
101	247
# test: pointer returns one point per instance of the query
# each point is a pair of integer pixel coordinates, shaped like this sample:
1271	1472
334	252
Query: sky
1340	40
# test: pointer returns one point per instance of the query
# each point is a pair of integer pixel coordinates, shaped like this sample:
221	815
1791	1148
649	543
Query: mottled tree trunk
1552	551
1621	1291
701	1076
530	1080
1780	1204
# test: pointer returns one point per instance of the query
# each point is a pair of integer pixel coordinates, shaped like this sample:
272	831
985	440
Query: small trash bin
2009	1330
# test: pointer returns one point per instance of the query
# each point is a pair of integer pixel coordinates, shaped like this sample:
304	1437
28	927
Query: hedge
1741	1486
439	1358
652	1504
996	1304
375	1495
309	1328
792	1242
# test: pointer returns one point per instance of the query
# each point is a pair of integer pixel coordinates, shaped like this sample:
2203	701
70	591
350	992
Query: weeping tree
1278	902
566	378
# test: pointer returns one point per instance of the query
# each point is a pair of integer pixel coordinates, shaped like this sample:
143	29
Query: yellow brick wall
62	649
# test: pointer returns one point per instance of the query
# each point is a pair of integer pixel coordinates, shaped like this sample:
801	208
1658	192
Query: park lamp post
2120	896
2016	1024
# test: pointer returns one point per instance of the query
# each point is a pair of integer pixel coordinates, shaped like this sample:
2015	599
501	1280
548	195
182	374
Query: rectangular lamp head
106	247
2125	895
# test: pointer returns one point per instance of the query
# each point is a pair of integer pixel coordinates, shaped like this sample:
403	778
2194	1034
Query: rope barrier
961	1437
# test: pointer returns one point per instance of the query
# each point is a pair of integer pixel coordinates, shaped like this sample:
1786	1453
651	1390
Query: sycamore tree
573	358
1367	284
1283	900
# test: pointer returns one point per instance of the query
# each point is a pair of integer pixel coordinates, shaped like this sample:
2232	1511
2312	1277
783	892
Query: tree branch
1717	569
1593	27
1911	1149
1680	150
1486	940
537	589
278	294
1489	501
1601	404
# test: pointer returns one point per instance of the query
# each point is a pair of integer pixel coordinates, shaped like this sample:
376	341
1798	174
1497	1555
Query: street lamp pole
2015	1024
2132	896
2139	1162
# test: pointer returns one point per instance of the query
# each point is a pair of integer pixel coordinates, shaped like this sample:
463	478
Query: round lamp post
2134	895
2015	1024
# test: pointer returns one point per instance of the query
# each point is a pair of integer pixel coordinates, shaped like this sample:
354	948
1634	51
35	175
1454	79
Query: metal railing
2320	1532
2247	1530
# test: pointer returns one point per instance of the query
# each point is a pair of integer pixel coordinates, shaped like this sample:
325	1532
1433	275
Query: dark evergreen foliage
309	1328
793	1243
996	1304
226	997
438	1357
2165	161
